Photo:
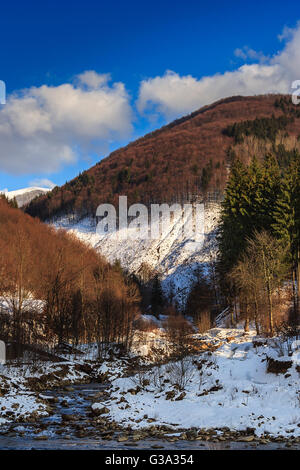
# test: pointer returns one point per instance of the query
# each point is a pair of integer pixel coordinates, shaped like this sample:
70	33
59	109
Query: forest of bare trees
55	289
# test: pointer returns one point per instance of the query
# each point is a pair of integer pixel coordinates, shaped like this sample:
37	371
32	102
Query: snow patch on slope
174	255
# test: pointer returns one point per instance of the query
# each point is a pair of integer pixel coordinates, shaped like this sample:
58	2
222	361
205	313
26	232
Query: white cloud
173	95
42	183
43	128
248	53
92	79
287	33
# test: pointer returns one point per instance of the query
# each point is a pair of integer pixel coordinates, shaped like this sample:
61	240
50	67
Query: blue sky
146	60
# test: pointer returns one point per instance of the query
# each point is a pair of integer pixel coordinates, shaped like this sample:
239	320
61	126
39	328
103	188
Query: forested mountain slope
53	287
191	156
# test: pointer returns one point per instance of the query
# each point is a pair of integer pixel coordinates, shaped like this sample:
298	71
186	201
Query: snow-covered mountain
173	255
25	195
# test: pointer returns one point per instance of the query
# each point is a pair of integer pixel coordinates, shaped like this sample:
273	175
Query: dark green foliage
84	178
262	128
194	169
286	221
250	203
123	177
207	173
284	156
11	202
157	297
201	297
236	219
230	154
286	105
261	197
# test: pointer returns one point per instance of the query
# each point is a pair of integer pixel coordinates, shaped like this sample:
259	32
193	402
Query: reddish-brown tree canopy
81	296
187	157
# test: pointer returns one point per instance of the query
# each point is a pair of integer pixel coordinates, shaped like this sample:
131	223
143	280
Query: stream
70	428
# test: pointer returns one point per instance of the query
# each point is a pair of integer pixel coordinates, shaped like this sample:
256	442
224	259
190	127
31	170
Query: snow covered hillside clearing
173	255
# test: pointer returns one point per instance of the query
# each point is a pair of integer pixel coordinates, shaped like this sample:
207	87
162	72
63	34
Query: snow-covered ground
173	255
226	386
17	401
229	387
21	385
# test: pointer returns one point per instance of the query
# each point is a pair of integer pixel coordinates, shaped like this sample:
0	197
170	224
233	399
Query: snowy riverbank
228	388
228	391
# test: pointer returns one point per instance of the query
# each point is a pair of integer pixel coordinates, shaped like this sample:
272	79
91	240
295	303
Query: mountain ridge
24	196
185	158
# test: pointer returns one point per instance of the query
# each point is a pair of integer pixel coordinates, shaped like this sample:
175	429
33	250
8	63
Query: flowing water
78	433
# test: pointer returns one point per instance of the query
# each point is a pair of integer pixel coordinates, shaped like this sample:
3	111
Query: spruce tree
157	297
271	186
286	222
235	216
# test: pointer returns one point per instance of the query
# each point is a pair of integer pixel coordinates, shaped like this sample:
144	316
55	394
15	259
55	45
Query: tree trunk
246	324
256	316
270	305
295	296
298	287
